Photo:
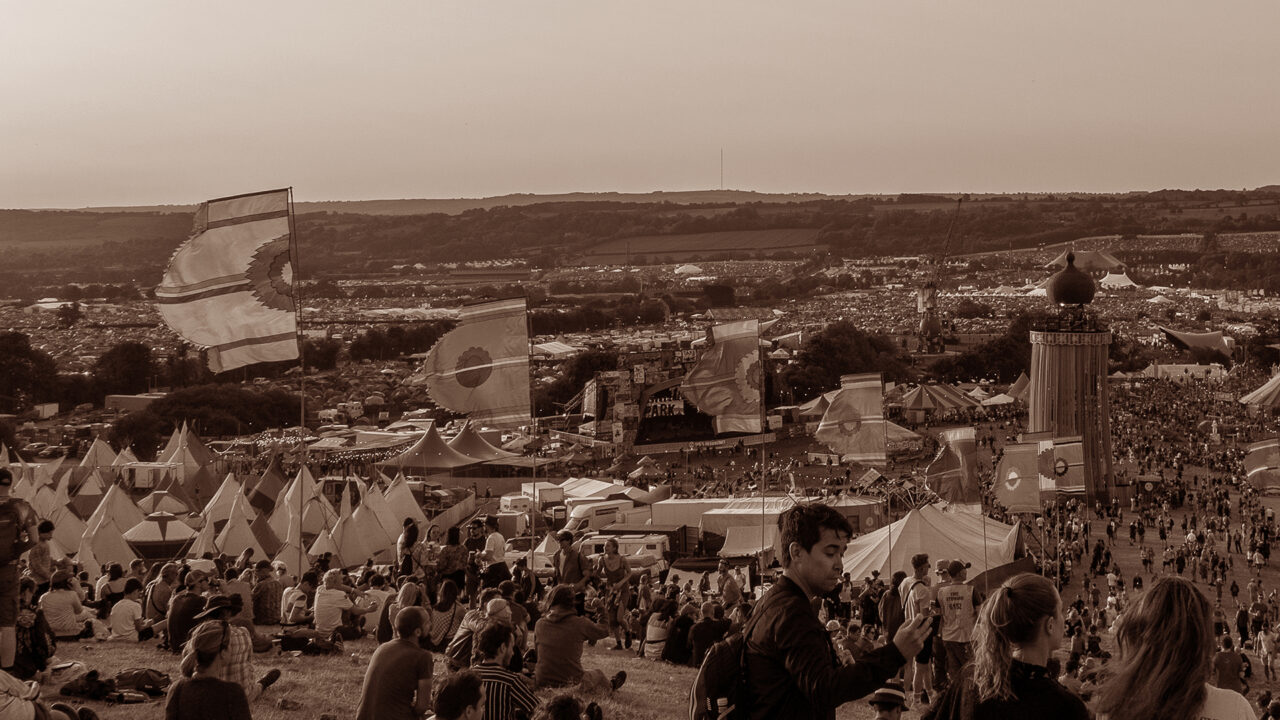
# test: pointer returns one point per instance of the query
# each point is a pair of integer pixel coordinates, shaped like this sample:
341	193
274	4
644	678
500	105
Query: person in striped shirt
507	694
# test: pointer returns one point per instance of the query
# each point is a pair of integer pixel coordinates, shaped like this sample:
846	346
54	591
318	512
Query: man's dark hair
6	477
45	526
491	522
311	578
132	584
493	636
717	611
377	581
507	588
489	594
457	693
804	524
409	619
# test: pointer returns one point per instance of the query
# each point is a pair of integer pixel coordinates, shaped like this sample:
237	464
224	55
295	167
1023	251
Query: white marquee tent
943	535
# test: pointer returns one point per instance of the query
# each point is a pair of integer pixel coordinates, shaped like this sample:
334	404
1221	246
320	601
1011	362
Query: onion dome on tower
1071	286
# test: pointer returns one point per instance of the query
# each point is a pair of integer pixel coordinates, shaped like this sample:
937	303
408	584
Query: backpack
151	682
719	689
11	528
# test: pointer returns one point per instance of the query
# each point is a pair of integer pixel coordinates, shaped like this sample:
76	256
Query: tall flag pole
229	289
481	367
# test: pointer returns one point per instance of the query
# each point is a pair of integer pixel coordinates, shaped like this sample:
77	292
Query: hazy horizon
150	103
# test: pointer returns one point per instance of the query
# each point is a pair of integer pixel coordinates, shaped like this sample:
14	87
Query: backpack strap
906	599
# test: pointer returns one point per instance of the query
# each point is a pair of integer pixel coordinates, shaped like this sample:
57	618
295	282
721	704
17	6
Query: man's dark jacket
792	669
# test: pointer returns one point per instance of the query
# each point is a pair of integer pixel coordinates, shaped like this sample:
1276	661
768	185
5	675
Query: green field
705	245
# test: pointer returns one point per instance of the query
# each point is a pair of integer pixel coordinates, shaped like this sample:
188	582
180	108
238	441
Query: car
34	448
54	451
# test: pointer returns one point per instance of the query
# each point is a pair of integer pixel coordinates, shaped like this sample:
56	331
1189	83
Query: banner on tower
726	381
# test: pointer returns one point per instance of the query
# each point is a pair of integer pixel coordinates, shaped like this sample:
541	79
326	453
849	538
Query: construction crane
927	296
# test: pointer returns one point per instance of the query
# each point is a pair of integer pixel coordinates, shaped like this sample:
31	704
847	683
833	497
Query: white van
596	515
643	552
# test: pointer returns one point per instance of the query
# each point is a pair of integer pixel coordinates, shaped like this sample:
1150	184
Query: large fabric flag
725	382
229	288
953	474
853	424
1017	484
1043	442
1068	464
1262	465
481	367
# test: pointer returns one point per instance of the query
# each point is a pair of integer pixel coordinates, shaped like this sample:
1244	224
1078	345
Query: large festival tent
236	535
430	453
1267	396
1088	261
1214	340
1117	281
470	443
163	501
745	512
106	541
968	537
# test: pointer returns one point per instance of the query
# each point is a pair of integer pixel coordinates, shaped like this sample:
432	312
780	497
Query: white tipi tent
230	496
236	535
401	501
317	514
954	536
100	455
116	505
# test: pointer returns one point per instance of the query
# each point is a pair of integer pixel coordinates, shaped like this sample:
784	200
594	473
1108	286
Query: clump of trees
842	348
215	409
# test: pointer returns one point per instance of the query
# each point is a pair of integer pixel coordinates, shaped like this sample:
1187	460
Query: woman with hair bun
1018	629
1165	658
200	694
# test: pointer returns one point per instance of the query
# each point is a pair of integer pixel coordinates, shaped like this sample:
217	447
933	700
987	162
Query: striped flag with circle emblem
853	424
229	288
481	367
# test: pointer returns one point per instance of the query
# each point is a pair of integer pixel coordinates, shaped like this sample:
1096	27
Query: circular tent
159	535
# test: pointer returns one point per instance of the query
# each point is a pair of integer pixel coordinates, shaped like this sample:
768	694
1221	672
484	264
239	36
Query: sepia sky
173	101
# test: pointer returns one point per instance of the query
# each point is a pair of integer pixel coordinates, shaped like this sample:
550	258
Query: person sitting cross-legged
397	683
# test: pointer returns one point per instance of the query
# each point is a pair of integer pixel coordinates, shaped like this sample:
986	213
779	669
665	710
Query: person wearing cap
184	607
889	701
918	601
201	692
67	618
27	534
959	603
266	594
237	661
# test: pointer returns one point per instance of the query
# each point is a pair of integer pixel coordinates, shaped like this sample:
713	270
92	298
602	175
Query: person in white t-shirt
294	607
126	621
334	608
1162	667
494	554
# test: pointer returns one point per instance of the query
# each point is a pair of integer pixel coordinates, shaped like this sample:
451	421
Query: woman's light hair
1011	616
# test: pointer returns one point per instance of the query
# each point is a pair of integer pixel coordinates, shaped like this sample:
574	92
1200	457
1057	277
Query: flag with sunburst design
727	380
229	288
481	367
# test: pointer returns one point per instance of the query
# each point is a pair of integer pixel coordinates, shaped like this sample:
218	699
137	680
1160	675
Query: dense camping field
704	245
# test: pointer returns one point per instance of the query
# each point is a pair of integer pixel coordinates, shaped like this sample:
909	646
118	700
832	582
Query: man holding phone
791	668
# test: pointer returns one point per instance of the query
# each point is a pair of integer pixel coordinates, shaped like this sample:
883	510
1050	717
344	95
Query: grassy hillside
704	245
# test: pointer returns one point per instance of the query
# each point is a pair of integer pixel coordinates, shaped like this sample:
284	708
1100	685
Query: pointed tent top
268	487
377	540
236	535
163	501
287	556
323	544
159	527
430	453
100	455
344	506
353	547
372	499
229	494
125	457
202	485
107	543
1267	396
470	443
401	501
116	506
